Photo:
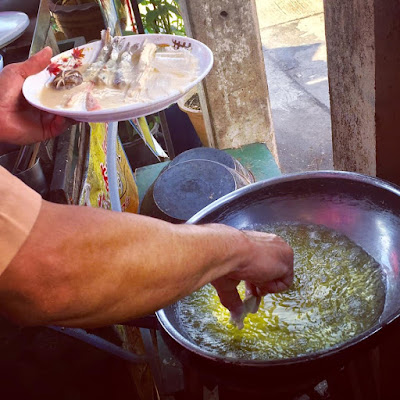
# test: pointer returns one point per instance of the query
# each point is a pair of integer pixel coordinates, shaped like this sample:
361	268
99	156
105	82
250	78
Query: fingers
36	63
275	286
228	294
54	125
230	298
284	282
268	267
59	124
251	290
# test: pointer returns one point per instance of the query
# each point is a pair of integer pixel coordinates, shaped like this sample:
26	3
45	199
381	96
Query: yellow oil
338	292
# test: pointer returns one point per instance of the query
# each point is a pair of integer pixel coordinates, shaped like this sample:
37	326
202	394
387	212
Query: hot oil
338	292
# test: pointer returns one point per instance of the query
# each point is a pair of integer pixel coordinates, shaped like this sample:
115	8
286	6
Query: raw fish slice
101	59
106	74
136	51
73	101
174	61
124	73
104	53
85	99
77	98
139	90
127	71
250	306
113	72
144	71
124	66
176	68
91	103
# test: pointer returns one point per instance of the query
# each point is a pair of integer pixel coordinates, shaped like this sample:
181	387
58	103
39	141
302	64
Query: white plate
35	83
12	25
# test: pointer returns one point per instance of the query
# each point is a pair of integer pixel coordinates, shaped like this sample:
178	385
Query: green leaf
173	9
152	16
163	10
176	31
165	17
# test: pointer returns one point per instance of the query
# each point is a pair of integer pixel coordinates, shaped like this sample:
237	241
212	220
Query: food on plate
67	79
121	73
338	293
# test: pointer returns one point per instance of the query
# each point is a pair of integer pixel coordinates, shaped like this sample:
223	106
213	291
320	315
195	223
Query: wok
365	209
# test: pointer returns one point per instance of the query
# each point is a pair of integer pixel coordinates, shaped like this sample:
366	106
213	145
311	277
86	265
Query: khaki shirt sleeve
19	208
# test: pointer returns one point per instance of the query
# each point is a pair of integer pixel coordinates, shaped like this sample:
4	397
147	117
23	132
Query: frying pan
365	209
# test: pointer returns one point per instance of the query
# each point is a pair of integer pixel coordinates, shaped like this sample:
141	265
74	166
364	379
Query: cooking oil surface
338	292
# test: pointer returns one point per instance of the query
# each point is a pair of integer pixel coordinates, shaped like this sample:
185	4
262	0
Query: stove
369	375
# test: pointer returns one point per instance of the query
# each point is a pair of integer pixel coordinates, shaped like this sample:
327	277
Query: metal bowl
365	209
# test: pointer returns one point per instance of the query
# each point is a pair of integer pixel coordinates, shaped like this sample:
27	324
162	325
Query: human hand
267	267
20	122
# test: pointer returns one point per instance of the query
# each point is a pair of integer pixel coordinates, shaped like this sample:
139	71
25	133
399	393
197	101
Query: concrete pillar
236	101
363	38
387	81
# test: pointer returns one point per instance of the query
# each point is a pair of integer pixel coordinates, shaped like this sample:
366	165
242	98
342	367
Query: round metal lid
184	189
204	153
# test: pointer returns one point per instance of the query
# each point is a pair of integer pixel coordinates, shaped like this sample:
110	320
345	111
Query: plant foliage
162	16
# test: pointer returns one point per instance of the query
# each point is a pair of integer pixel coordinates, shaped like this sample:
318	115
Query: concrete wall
363	41
236	90
351	69
387	83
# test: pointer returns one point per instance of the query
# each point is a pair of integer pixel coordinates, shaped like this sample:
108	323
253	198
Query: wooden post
236	102
363	38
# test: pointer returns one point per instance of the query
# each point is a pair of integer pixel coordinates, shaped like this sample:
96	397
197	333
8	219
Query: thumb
36	63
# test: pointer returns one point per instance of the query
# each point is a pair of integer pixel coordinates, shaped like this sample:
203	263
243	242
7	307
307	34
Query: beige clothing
19	208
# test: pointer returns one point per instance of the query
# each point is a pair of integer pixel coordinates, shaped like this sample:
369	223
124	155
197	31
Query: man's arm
89	267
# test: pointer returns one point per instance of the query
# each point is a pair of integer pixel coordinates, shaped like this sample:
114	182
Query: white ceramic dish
12	25
35	83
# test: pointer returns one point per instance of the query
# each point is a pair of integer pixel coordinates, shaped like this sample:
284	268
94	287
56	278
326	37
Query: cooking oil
338	292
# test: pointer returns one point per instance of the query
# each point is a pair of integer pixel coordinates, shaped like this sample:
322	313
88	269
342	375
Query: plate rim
110	114
14	34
